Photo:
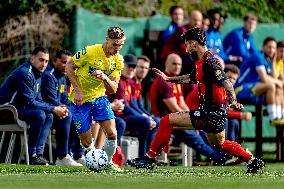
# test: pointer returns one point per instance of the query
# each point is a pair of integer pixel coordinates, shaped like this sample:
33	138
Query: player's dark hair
250	16
40	49
267	40
280	44
145	58
173	8
232	68
196	34
115	33
59	53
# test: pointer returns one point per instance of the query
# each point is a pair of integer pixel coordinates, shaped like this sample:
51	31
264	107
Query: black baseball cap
196	34
130	59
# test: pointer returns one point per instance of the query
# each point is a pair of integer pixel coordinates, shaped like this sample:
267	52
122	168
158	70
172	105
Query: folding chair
9	122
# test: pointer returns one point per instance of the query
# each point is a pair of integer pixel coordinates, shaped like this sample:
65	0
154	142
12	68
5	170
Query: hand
66	109
60	111
236	105
117	105
78	97
246	115
152	123
99	74
161	74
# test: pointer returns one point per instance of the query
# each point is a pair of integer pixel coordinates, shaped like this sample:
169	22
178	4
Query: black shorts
210	121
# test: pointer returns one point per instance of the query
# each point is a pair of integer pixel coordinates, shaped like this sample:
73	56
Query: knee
120	124
86	142
271	87
279	91
112	135
40	116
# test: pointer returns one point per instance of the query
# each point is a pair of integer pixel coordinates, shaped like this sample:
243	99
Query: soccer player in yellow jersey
92	71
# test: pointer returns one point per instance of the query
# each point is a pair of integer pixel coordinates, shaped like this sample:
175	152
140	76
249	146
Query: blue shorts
246	92
98	110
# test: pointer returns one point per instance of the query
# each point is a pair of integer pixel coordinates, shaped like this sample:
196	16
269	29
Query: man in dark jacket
22	89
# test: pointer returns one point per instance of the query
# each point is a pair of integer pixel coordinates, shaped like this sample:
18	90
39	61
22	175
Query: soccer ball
96	159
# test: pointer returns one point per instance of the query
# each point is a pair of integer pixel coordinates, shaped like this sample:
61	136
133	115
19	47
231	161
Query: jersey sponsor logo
218	74
196	113
91	70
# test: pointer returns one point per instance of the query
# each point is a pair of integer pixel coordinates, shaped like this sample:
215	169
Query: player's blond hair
115	33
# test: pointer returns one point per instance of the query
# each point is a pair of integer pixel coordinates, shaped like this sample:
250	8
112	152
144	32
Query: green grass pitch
212	177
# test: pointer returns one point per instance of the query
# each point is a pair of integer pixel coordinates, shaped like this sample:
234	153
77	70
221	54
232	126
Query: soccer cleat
255	165
67	161
111	167
144	162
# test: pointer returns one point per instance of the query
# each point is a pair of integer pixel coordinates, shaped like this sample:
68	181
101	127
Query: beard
194	56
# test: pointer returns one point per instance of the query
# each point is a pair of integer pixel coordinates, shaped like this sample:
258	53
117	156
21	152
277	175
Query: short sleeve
81	57
214	70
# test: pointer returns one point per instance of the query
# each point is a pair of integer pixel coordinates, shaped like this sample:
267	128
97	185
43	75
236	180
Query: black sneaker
144	162
255	165
38	160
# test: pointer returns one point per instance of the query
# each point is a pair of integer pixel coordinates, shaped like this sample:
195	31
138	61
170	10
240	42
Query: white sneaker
67	161
81	160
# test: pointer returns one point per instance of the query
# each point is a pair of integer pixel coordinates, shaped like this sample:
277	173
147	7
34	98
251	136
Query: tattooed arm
230	91
231	95
177	79
180	79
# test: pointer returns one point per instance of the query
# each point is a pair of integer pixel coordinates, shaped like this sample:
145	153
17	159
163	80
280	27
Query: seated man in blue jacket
239	42
22	89
54	91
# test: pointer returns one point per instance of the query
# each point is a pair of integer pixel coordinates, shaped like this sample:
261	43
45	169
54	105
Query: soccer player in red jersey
215	96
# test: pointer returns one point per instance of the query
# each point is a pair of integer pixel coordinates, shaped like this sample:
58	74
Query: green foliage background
267	10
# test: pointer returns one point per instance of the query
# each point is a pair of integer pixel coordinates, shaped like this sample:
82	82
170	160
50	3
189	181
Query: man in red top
215	91
176	45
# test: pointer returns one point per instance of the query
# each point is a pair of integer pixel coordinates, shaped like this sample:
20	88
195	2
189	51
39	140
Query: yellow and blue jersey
249	68
279	68
89	59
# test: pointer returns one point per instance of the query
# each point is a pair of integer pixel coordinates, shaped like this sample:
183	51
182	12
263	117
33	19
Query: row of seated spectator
40	96
257	78
261	71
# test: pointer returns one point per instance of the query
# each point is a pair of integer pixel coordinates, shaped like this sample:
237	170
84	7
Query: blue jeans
232	128
39	123
139	126
120	127
62	127
199	143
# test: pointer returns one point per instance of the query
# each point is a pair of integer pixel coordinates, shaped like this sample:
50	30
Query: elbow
112	91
